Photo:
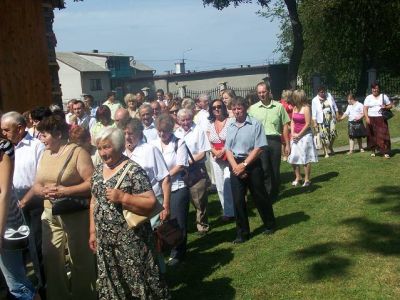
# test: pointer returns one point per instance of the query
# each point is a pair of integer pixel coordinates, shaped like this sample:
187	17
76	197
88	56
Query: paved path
346	148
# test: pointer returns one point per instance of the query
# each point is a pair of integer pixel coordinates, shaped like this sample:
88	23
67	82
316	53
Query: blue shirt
242	140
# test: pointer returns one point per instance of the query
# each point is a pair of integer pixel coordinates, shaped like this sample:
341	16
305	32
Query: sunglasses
174	111
217	107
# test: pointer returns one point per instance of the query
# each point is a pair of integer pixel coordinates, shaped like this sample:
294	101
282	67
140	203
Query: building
79	76
242	79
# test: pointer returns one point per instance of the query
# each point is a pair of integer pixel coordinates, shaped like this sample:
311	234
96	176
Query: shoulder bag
131	218
168	235
387	114
69	204
195	172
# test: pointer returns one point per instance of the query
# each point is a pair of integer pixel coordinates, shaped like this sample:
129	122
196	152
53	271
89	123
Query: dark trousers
271	164
179	207
255	183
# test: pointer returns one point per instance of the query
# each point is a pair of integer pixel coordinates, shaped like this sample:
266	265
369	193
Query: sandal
373	154
387	156
295	183
306	183
349	153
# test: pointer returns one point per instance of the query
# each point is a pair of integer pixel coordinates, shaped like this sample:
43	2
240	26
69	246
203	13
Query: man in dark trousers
244	143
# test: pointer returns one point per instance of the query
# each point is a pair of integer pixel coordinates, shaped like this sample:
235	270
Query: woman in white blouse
176	157
216	133
378	136
356	128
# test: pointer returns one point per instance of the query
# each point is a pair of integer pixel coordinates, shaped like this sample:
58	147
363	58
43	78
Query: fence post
371	76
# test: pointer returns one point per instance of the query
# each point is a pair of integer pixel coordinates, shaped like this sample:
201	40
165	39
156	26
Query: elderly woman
126	263
378	137
11	261
64	171
324	116
216	133
175	155
198	144
103	120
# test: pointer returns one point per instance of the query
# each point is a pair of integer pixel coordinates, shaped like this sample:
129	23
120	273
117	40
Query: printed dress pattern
126	260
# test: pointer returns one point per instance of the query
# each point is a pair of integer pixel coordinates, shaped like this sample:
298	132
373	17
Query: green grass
337	239
343	139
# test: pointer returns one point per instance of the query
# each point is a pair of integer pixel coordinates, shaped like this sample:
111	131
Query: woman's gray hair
188	103
185	112
115	136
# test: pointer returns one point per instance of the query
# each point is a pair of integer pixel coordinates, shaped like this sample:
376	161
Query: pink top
299	122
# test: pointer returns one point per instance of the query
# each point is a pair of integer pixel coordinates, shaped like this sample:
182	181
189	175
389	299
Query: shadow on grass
294	191
187	281
369	237
324	177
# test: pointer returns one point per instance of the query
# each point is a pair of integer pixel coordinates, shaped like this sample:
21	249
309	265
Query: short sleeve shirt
354	111
152	161
195	138
242	140
374	104
172	158
272	116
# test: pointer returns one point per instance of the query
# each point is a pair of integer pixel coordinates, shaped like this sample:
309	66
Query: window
95	85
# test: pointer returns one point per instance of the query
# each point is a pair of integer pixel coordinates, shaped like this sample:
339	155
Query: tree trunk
298	43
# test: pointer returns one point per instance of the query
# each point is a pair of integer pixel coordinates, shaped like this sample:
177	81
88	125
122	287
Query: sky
159	33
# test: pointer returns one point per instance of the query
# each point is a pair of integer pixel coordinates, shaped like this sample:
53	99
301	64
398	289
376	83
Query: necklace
112	166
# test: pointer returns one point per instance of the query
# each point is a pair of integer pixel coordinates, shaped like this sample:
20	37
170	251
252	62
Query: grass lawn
337	239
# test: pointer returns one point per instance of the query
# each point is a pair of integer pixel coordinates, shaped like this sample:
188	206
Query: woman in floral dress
126	258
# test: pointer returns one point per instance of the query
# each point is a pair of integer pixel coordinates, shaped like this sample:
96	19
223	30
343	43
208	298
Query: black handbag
195	172
387	114
168	235
70	204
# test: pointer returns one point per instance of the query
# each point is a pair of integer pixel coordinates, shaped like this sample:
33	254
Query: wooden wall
24	70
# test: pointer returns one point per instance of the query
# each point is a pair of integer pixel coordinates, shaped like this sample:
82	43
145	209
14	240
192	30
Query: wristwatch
244	164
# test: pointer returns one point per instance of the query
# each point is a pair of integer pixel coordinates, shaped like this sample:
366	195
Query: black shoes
240	240
269	231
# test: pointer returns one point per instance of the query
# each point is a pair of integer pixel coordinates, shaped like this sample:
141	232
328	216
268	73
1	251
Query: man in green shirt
275	120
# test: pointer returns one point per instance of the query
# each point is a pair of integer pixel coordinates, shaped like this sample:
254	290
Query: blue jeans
12	266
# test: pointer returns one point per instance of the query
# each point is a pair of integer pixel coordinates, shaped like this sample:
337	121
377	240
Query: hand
367	120
295	137
287	149
92	242
239	169
56	192
164	215
114	195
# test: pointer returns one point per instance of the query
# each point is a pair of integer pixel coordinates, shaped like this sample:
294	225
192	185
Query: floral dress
327	129
126	258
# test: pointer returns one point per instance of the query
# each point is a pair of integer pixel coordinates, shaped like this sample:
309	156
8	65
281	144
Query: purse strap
121	177
65	165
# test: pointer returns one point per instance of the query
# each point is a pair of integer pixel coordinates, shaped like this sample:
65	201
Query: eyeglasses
217	107
174	111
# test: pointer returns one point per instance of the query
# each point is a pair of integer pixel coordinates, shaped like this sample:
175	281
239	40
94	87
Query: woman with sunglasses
173	109
216	132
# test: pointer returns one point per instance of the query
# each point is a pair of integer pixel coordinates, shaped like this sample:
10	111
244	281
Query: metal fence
215	93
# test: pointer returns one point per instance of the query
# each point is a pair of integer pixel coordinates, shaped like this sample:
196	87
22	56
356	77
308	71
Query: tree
297	30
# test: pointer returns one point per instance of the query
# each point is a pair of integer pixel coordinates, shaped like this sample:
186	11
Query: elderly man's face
186	122
146	115
12	132
121	115
156	108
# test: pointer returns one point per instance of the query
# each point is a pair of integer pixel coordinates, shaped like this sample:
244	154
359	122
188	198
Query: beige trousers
69	231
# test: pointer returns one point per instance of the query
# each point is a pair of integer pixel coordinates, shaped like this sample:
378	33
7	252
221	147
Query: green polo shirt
272	116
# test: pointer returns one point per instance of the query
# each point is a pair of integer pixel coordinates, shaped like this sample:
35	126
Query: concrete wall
99	96
70	80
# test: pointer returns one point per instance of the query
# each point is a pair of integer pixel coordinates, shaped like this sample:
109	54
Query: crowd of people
70	177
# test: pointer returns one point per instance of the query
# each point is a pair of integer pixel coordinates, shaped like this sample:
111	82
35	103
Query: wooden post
24	70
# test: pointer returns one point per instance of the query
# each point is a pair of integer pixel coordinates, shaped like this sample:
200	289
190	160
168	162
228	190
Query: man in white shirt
146	116
198	145
81	117
201	117
28	151
151	160
112	103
